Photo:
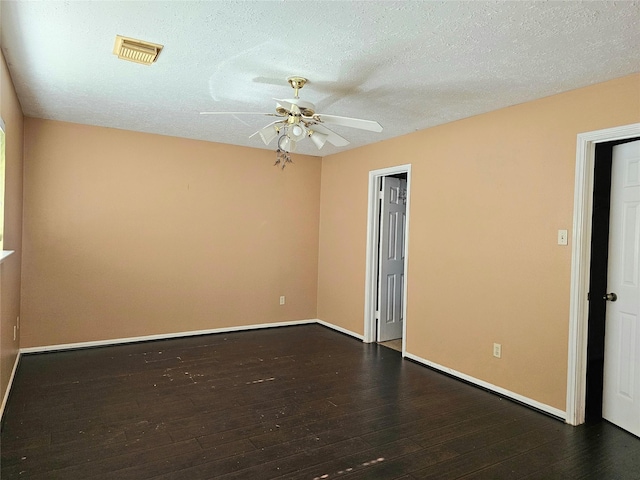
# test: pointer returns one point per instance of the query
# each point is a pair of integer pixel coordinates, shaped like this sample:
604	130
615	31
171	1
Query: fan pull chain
282	158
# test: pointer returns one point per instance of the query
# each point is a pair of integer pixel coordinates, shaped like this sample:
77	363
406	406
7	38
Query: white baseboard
488	386
341	330
9	385
163	336
494	388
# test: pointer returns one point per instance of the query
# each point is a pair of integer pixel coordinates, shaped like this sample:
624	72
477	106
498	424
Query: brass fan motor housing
297	83
306	112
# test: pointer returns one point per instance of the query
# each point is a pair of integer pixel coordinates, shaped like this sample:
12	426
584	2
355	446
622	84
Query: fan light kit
299	120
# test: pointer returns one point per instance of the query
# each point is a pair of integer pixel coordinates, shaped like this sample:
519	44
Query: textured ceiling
407	65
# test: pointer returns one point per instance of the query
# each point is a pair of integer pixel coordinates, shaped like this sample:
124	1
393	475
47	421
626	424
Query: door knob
611	297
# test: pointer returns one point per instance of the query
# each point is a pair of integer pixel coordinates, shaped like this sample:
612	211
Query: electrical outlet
282	300
497	350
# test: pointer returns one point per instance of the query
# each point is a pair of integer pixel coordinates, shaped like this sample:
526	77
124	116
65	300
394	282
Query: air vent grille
136	50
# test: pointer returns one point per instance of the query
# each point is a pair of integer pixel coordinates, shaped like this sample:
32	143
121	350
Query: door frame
370	288
581	264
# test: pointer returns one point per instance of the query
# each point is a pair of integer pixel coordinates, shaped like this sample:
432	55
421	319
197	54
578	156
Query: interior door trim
370	290
580	264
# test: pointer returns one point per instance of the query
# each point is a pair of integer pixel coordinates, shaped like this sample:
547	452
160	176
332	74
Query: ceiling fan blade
348	122
268	125
268	133
239	113
286	103
332	137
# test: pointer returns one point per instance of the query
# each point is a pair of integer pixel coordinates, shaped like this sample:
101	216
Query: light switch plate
563	237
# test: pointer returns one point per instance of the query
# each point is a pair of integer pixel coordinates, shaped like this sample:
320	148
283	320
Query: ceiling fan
297	120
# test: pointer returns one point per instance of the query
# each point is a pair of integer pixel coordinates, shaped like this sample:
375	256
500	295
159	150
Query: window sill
5	254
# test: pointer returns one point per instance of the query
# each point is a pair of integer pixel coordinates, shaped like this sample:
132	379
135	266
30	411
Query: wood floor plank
177	462
349	464
55	457
500	445
247	465
111	465
290	403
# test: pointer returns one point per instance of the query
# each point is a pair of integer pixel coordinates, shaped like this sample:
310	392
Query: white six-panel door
391	258
621	394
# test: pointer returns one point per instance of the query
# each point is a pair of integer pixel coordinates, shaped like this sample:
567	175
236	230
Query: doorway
387	228
589	261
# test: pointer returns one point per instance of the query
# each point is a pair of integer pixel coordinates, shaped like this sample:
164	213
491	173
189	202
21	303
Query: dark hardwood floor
299	402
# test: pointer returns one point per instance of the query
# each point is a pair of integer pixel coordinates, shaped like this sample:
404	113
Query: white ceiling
408	65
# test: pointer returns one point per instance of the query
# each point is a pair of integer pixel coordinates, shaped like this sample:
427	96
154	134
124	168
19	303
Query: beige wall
130	234
11	113
488	195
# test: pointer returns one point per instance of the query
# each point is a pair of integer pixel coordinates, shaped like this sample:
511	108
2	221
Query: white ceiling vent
136	50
